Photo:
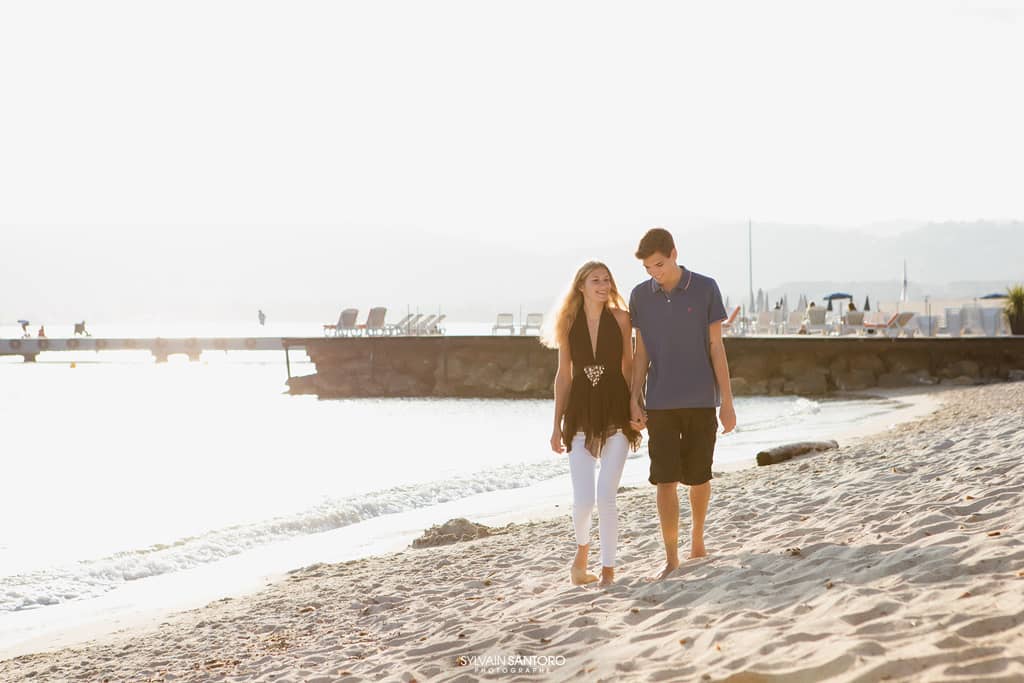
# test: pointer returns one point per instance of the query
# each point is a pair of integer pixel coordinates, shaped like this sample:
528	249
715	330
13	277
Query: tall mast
750	260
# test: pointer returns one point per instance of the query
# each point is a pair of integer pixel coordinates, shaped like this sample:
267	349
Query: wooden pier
30	348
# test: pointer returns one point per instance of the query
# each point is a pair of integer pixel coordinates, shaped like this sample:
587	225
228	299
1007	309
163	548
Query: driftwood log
773	456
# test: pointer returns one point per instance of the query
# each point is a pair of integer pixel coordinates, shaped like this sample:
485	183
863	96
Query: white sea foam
93	577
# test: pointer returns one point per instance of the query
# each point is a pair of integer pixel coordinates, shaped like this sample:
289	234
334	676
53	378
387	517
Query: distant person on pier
42	332
24	329
80	329
263	317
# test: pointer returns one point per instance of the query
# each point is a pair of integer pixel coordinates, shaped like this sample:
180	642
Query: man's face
660	267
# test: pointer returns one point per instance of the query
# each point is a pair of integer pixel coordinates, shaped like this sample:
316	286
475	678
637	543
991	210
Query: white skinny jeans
581	466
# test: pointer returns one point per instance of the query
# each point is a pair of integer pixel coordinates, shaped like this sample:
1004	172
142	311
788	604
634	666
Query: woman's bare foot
607	576
579	574
581	577
697	550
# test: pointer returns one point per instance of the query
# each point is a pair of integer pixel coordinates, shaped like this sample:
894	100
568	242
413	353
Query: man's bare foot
607	576
581	577
669	568
697	550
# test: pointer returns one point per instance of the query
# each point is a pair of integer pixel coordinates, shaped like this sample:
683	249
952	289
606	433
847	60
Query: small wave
769	414
90	578
804	406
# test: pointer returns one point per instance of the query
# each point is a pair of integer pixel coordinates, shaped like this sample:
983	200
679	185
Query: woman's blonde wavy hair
557	329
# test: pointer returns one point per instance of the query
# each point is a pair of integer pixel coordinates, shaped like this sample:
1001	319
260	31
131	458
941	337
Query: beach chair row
964	321
816	321
376	325
506	323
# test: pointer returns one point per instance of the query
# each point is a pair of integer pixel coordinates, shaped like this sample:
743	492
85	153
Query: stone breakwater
470	367
809	366
519	367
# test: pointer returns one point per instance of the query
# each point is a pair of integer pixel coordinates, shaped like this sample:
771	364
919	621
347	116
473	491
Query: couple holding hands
606	393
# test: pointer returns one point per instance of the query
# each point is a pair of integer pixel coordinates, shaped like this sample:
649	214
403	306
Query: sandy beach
895	558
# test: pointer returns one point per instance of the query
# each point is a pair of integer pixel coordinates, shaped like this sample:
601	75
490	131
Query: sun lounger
374	325
533	322
990	321
794	322
506	321
346	324
816	320
926	325
894	326
954	322
423	326
399	327
436	327
853	323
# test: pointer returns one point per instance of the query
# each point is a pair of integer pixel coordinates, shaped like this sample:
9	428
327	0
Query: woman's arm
563	381
622	318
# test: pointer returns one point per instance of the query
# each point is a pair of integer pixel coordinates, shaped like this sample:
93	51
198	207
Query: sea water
117	472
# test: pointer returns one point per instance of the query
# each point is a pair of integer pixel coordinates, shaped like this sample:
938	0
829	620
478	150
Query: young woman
592	332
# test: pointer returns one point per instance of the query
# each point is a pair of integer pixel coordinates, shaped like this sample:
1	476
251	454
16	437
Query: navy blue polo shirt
674	326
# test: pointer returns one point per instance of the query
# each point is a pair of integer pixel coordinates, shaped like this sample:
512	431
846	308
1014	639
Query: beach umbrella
994	295
839	295
867	303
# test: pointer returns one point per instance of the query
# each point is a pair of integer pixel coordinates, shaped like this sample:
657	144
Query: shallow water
120	469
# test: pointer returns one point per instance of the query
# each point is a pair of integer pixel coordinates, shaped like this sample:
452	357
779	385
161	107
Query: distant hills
310	273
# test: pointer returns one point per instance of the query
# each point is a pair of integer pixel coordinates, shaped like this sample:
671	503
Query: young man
678	318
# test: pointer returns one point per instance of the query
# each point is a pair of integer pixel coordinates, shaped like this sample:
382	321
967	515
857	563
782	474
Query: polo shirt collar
681	286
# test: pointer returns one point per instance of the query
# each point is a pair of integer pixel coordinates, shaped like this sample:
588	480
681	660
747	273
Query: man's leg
668	515
699	451
700	496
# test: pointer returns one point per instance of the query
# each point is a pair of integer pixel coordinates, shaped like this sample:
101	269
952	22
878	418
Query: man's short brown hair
656	240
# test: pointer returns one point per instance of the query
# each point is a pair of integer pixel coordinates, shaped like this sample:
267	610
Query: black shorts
681	443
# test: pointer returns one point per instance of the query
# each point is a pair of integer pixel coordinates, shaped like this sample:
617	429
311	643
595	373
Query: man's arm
636	387
727	413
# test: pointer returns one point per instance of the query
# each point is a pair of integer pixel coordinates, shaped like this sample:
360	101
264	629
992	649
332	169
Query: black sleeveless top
599	397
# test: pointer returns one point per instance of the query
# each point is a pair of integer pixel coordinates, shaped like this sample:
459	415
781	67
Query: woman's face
597	286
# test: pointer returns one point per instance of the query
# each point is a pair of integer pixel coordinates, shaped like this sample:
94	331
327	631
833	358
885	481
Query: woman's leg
613	461
581	469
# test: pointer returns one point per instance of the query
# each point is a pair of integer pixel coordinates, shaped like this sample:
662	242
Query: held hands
637	416
556	441
727	416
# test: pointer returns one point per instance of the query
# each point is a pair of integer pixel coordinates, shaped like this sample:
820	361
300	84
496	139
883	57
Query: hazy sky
546	126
